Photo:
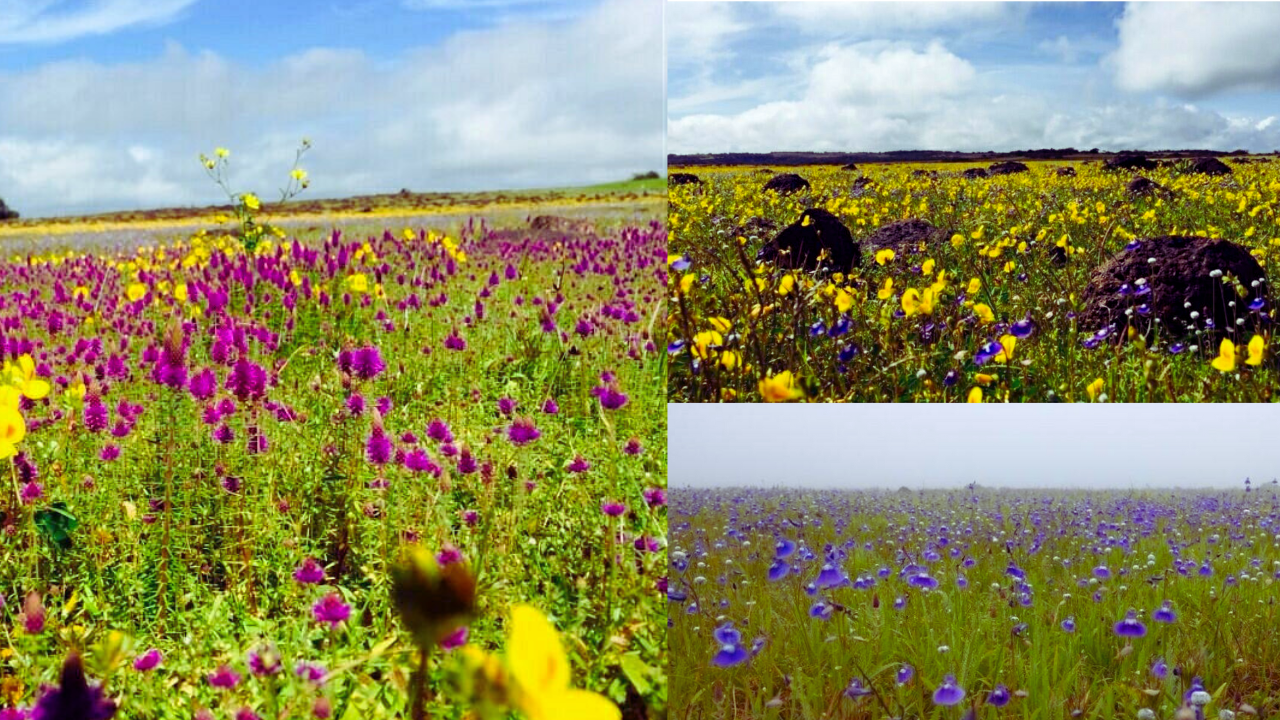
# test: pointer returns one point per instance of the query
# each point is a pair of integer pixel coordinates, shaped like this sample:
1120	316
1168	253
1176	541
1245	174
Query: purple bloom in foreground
522	431
1165	614
999	697
148	660
74	698
612	509
455	640
731	651
309	572
1069	625
1159	669
1130	626
330	609
904	674
224	677
948	693
856	689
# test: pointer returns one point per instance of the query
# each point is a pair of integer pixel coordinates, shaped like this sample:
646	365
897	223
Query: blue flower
904	674
948	693
999	696
1165	614
682	264
778	570
1069	625
1130	626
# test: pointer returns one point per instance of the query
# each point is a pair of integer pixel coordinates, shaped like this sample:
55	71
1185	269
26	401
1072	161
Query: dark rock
1129	161
1140	186
850	167
1208	166
861	186
974	173
904	236
786	183
1066	171
557	224
675	179
802	244
7	213
1179	282
1007	168
757	226
924	173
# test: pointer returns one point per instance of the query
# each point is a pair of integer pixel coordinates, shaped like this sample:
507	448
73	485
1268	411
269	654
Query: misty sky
888	446
876	76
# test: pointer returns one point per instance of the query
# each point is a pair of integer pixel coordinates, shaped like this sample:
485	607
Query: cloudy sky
919	446
765	76
105	104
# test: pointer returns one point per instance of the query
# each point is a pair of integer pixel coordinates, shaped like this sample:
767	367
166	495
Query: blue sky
947	446
104	104
972	76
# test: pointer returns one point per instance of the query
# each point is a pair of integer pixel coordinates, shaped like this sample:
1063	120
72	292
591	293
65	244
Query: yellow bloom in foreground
23	377
135	291
780	388
914	301
983	311
1094	389
541	673
703	341
883	256
975	395
251	201
927	267
12	430
786	284
1257	346
1226	360
720	324
357	283
844	301
885	291
1007	343
974	286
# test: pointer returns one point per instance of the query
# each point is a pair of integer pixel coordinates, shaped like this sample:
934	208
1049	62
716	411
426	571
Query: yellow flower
1226	360
1257	346
974	286
180	292
914	301
720	324
983	311
984	379
686	283
541	673
1007	343
927	267
883	256
730	359
12	430
786	284
251	201
23	377
977	234
222	152
703	341
357	283
844	301
975	395
1094	389
886	291
299	174
957	240
780	388
135	291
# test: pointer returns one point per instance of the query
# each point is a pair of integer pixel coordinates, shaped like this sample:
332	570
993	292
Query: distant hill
921	156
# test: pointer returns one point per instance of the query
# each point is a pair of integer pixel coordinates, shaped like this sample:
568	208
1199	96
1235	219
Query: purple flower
731	651
148	660
203	384
633	446
506	406
904	674
378	447
655	497
437	430
611	398
999	696
1159	669
923	581
856	689
366	363
522	431
74	698
1130	626
247	381
265	661
331	609
579	465
224	677
96	415
948	693
612	509
310	672
309	572
550	407
31	492
1069	625
1164	614
454	640
109	452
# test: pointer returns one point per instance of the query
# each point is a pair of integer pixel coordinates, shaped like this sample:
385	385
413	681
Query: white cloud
1197	49
522	104
43	21
1060	47
877	96
699	32
876	18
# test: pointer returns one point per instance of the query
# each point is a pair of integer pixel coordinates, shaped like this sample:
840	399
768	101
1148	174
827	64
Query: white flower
1225	714
1200	698
1146	714
944	648
1215	273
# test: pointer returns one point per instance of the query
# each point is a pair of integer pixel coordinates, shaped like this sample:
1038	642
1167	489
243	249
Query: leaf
637	672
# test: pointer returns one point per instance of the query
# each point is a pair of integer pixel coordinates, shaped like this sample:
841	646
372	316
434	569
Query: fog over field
888	446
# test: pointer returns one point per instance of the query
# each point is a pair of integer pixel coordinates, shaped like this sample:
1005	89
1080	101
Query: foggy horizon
1042	447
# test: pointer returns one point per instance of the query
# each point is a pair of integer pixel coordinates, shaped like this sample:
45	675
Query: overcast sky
888	446
105	104
984	76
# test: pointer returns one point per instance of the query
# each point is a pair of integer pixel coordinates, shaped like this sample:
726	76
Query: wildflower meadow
1039	282
337	473
975	603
